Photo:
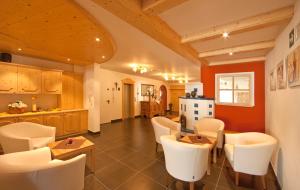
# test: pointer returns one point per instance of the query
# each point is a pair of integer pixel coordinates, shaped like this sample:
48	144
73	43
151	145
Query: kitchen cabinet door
67	97
55	120
8	78
29	80
6	121
52	82
72	122
33	119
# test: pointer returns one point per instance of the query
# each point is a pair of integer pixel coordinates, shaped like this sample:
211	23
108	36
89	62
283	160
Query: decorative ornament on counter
188	95
17	107
193	94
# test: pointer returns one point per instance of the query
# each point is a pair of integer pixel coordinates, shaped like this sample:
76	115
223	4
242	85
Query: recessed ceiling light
19	49
180	82
166	77
186	80
225	35
68	59
97	39
173	77
103	56
230	53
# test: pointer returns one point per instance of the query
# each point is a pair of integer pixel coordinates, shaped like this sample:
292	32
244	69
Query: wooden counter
67	122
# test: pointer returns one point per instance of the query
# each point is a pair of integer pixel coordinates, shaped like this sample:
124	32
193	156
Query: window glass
242	83
226	82
226	96
241	97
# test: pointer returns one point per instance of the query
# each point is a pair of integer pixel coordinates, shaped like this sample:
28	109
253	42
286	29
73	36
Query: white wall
283	114
108	78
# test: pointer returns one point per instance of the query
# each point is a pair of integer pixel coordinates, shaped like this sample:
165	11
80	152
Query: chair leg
192	185
156	148
237	178
263	180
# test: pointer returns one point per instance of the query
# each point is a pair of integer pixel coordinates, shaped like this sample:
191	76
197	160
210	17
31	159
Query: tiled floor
126	159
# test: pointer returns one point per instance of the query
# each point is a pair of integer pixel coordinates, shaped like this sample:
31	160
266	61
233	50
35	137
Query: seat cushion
208	134
175	133
41	142
229	151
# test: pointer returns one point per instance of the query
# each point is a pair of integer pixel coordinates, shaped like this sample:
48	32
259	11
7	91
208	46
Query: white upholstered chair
210	127
186	162
34	170
249	153
25	136
164	126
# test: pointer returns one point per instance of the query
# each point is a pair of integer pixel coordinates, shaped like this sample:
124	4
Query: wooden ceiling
58	30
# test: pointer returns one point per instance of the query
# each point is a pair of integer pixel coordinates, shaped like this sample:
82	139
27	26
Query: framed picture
293	68
281	75
291	38
272	80
147	89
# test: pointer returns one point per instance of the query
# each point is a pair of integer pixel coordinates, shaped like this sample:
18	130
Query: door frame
129	82
164	106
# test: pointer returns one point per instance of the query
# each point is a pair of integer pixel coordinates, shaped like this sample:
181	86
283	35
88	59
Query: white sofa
24	136
210	127
164	126
34	170
186	162
249	153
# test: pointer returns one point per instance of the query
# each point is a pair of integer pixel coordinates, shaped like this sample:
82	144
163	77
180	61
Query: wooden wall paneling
67	97
174	99
52	82
8	78
78	90
84	121
29	80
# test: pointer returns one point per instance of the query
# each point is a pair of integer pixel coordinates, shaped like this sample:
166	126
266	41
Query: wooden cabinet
29	80
150	108
72	121
6	121
33	119
72	91
55	120
51	82
8	78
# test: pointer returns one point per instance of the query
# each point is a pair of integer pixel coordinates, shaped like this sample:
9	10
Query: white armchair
249	153
25	136
34	170
186	162
210	127
164	126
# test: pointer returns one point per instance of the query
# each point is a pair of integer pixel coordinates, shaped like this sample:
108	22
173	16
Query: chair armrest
232	138
11	143
33	157
47	131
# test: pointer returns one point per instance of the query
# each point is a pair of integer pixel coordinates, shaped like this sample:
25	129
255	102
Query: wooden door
164	98
52	82
29	80
67	97
71	122
55	120
8	78
174	97
33	119
78	90
6	121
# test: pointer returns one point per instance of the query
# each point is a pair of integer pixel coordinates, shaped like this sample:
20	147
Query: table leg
92	160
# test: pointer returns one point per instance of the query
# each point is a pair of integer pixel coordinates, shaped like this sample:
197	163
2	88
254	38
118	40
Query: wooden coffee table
212	148
87	148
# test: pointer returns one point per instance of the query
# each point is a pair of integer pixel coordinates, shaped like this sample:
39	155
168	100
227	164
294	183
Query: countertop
196	98
7	115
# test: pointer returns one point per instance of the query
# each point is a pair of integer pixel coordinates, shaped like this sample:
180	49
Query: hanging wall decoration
272	80
281	75
293	68
291	38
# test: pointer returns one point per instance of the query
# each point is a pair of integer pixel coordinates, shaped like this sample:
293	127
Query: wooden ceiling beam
247	24
239	49
159	6
236	61
132	13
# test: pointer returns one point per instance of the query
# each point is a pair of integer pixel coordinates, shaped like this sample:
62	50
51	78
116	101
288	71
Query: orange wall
238	118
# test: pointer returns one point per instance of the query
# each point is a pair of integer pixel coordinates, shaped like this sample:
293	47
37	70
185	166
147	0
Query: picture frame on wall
293	68
281	75
291	38
147	89
273	80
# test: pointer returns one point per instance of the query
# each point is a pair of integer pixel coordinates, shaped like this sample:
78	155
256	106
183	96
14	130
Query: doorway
163	98
127	99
